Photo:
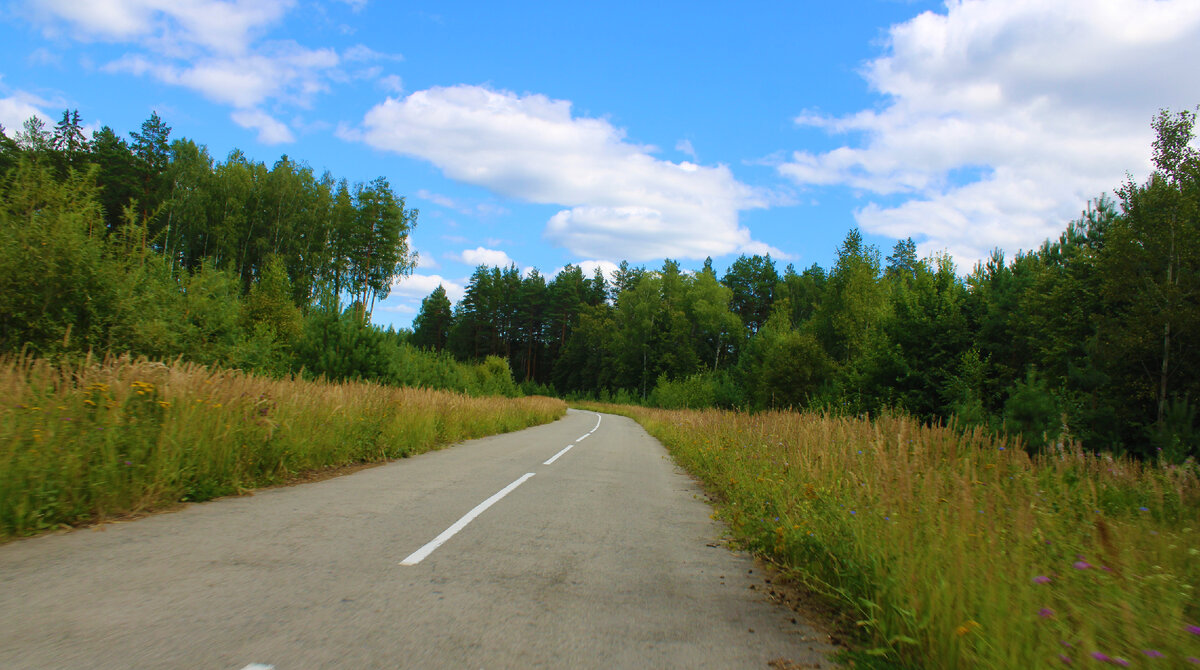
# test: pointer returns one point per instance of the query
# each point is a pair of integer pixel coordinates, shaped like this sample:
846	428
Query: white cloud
685	147
212	47
216	25
482	256
622	202
270	130
361	53
483	209
398	308
282	70
426	261
18	107
609	268
1002	118
392	83
219	25
419	286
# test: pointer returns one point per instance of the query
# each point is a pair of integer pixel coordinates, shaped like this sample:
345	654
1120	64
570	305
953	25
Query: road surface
511	551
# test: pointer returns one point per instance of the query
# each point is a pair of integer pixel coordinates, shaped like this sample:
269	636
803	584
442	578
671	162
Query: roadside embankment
83	442
956	549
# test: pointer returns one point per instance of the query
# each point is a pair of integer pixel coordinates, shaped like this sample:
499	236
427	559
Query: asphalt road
605	557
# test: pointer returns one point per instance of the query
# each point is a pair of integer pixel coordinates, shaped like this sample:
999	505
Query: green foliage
269	304
951	549
752	280
274	269
83	442
431	328
1032	412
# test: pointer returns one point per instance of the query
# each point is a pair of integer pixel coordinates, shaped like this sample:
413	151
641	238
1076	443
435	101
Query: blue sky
554	133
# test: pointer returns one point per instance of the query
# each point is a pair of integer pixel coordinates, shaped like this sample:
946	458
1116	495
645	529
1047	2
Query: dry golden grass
955	549
82	442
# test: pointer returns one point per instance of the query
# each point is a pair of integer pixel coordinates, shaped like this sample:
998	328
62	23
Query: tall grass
955	549
82	442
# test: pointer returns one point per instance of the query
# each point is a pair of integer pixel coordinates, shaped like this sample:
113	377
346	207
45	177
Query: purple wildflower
853	512
1081	565
1046	613
1101	656
1064	658
1193	659
1066	644
1117	660
1152	653
1041	579
1194	630
1144	509
128	462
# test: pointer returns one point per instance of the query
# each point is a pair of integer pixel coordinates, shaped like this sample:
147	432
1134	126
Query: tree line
148	246
1091	336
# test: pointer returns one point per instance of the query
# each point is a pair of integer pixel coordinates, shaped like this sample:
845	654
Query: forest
1090	337
148	245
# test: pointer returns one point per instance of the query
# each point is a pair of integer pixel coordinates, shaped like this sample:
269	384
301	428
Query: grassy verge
955	549
79	443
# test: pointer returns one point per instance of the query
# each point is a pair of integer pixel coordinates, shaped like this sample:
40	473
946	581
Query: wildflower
1041	579
966	628
1064	658
1193	659
1194	630
1046	613
852	512
1100	656
1152	653
129	463
1117	660
1081	565
1144	509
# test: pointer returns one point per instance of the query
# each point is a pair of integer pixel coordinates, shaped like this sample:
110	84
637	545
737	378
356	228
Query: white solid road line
420	554
555	456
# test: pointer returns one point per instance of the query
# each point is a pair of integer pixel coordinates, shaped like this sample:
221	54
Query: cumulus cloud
214	48
16	108
621	201
483	256
216	25
270	130
418	286
609	268
1002	118
281	70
